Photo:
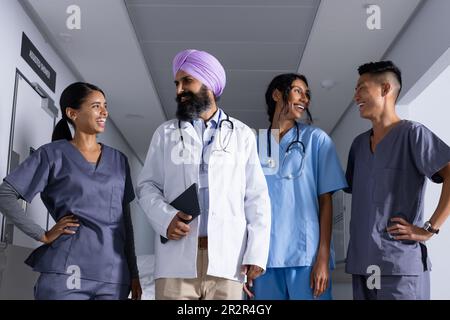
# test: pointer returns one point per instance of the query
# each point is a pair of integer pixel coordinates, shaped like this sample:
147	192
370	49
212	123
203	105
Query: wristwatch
427	226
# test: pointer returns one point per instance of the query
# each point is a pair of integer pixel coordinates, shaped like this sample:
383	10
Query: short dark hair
283	84
381	67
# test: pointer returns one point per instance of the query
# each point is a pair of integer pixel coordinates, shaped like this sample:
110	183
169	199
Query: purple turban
203	67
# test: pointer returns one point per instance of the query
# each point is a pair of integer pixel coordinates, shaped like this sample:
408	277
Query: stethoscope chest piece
271	163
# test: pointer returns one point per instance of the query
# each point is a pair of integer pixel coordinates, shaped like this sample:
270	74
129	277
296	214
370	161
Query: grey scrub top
69	184
389	183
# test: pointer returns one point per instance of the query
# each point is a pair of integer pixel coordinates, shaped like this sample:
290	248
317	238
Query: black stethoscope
270	161
227	120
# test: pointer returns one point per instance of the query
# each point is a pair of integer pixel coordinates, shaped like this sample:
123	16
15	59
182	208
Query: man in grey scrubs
386	172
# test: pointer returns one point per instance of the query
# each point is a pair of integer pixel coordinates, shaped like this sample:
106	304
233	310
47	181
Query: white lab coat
239	203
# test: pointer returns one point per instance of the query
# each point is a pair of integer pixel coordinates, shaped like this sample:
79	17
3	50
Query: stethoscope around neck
271	162
219	127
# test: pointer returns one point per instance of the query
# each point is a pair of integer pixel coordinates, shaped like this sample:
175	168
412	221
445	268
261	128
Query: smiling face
193	97
297	101
369	96
91	117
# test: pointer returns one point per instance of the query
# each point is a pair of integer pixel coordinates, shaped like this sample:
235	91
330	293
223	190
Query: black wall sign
34	58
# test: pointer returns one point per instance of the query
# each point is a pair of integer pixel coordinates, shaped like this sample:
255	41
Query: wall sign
37	62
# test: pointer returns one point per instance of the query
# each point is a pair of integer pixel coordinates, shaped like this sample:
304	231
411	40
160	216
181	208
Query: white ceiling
339	43
254	40
126	47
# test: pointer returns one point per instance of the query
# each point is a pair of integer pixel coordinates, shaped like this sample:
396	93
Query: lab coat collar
186	128
189	129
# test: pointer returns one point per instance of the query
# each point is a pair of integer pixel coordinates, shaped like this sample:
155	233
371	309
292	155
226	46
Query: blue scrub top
69	184
391	183
295	230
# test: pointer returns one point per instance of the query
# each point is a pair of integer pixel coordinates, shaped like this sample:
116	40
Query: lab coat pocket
116	208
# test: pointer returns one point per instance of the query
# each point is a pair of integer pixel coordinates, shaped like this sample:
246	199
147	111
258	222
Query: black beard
194	104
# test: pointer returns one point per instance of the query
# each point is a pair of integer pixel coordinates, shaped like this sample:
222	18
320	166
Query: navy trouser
54	286
393	288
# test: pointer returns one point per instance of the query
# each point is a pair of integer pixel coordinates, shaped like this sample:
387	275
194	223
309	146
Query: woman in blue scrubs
302	171
86	187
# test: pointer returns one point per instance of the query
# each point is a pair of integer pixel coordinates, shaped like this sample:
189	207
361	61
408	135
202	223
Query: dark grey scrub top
69	184
388	183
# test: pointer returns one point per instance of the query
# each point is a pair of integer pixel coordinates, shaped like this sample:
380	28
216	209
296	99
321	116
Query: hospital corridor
224	149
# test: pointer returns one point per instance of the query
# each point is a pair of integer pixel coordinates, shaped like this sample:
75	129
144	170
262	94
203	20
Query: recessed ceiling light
328	84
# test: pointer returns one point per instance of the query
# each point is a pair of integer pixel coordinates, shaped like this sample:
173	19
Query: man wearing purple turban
210	256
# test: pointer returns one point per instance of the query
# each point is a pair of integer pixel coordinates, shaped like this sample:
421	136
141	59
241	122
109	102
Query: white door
32	126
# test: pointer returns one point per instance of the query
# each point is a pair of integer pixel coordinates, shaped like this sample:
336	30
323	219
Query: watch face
427	226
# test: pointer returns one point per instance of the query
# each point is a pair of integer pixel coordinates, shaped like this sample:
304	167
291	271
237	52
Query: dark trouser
54	286
393	288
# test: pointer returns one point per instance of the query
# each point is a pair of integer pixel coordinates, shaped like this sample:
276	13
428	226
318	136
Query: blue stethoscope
271	162
227	120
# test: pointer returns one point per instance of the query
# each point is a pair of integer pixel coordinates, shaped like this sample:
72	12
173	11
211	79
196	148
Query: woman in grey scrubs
86	187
